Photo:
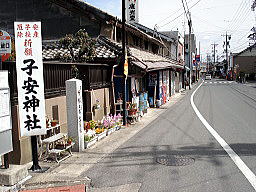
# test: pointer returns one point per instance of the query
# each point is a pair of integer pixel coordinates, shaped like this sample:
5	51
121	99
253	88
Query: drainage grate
175	160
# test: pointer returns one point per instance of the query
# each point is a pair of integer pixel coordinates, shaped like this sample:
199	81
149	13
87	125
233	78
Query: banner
132	11
30	83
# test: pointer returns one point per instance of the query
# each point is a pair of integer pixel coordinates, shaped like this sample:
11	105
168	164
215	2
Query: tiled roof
52	50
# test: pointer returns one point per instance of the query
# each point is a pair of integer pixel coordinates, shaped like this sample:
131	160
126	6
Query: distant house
245	62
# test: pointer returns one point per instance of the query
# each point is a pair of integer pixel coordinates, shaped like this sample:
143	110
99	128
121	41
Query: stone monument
75	113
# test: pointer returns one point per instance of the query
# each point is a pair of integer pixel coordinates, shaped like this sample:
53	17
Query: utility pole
226	45
214	56
214	52
208	61
189	49
123	62
198	68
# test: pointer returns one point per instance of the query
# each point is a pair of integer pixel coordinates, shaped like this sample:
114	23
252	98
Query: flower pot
110	131
102	135
88	144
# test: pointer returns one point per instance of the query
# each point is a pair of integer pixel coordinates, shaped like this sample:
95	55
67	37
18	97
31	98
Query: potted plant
60	144
100	131
89	140
132	110
118	121
70	140
109	124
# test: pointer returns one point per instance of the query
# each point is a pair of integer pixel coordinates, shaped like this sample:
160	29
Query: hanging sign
132	11
29	66
5	45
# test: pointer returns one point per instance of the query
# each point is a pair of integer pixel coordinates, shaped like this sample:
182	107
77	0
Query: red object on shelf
54	123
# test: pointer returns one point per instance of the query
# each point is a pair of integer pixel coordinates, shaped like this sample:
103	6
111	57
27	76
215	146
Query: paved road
230	108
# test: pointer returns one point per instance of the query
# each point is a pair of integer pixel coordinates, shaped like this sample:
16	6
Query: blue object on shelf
151	101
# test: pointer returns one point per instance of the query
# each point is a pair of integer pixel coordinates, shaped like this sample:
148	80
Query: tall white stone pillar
75	113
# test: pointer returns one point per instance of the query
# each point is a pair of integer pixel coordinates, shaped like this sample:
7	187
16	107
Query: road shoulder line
236	159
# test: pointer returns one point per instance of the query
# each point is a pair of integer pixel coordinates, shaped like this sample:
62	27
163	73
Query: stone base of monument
13	175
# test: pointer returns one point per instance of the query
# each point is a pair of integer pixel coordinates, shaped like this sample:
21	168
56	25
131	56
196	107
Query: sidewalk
69	171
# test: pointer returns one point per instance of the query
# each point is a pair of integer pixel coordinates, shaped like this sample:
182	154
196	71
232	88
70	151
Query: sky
211	19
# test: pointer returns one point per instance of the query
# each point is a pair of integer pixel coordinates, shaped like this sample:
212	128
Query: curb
52	186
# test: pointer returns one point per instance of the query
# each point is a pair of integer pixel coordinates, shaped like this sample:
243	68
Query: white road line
215	82
237	160
210	82
205	82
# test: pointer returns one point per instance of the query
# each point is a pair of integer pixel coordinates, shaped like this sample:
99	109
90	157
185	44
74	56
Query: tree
80	46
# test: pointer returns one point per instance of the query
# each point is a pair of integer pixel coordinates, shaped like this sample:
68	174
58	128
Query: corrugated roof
153	66
146	56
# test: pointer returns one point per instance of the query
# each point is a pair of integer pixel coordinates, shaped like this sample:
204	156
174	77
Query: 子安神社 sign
132	11
29	66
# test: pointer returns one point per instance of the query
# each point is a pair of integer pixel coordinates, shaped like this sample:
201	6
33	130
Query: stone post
75	113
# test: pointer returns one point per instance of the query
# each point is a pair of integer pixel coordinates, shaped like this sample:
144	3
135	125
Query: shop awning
153	66
151	62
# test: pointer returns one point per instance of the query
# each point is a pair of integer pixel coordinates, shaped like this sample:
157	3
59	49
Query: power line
171	14
239	21
209	22
236	13
238	47
180	14
242	12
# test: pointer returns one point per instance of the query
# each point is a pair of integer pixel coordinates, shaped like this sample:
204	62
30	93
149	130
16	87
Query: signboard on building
5	115
30	84
5	45
152	79
132	11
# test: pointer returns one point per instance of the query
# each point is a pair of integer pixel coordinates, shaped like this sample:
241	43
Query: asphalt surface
230	108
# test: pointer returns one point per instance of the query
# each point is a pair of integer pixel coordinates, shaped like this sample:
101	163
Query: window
146	45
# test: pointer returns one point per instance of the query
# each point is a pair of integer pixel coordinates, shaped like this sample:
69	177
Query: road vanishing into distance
178	152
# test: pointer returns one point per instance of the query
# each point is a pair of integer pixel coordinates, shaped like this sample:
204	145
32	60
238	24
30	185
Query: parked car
208	77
